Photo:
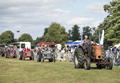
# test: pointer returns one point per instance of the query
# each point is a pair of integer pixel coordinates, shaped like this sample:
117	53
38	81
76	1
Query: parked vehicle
25	53
2	49
21	46
47	54
10	52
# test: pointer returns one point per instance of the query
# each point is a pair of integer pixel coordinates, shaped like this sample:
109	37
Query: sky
33	16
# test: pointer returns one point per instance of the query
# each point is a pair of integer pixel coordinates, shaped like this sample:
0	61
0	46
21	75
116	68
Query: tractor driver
86	43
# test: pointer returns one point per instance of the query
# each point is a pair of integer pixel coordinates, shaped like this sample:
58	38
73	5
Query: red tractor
25	53
10	52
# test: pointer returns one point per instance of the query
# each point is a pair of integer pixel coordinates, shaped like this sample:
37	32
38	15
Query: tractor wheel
87	63
3	55
103	58
30	58
110	65
79	58
6	56
20	55
50	60
23	58
39	56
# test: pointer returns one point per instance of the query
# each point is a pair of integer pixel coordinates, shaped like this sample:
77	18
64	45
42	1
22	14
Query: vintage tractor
95	54
25	53
10	52
49	54
2	49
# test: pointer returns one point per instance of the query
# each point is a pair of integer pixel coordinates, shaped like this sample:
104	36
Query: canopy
46	43
72	44
117	45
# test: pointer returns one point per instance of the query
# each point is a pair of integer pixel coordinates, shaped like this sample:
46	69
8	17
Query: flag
81	39
99	37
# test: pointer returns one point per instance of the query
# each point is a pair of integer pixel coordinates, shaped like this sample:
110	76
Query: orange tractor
95	54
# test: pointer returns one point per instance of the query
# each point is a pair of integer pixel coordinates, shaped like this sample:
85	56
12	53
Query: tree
69	35
56	33
37	40
7	37
26	38
112	22
87	31
74	34
95	36
45	30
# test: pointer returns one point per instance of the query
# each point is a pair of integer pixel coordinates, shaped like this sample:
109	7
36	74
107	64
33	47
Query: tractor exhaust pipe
90	47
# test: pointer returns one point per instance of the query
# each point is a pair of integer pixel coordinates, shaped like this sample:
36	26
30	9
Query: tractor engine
97	52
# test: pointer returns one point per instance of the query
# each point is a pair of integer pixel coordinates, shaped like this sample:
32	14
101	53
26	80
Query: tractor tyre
79	58
110	65
3	54
103	58
87	63
50	60
20	55
39	56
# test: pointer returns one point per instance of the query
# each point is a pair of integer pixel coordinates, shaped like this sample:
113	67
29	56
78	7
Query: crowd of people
116	54
66	54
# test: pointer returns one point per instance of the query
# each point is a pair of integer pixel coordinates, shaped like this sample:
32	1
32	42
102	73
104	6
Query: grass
13	70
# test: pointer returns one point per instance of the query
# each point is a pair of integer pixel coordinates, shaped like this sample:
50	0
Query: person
79	44
85	43
45	48
15	47
115	53
112	50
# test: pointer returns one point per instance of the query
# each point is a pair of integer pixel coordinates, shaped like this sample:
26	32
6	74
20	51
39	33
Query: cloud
80	20
95	6
32	16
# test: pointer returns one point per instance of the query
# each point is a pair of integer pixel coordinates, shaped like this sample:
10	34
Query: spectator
69	49
115	53
79	44
45	48
15	47
64	49
112	50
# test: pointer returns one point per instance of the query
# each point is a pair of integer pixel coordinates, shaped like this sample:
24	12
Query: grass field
13	70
